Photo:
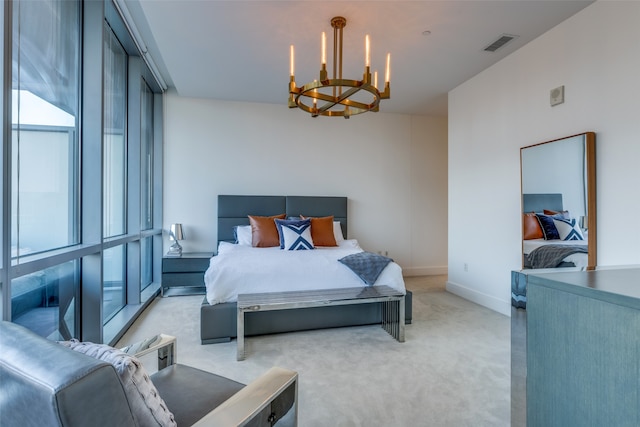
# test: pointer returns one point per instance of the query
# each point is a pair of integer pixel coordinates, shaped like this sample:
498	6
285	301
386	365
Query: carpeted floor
453	370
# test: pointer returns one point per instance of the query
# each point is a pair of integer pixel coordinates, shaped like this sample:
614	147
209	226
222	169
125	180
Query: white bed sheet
579	259
244	269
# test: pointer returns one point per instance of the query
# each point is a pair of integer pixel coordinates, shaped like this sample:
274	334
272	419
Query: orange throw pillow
548	212
264	233
531	227
322	231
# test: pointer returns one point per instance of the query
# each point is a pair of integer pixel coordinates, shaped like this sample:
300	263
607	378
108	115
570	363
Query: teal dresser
583	348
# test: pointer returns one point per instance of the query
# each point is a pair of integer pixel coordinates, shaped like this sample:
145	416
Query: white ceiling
239	50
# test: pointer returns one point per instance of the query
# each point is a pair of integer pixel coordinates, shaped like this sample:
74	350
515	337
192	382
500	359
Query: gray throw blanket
366	265
550	256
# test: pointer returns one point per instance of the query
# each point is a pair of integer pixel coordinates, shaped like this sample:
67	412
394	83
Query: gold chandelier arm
339	100
387	92
359	105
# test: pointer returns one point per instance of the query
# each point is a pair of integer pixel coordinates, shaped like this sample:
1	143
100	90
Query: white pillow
243	235
350	243
337	231
147	406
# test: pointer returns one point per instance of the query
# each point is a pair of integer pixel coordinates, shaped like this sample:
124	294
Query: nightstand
184	275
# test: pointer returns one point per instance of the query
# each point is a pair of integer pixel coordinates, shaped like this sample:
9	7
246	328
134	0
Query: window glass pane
146	262
114	282
45	163
46	301
146	158
115	77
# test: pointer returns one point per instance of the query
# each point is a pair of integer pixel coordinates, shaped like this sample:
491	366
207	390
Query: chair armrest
243	406
165	345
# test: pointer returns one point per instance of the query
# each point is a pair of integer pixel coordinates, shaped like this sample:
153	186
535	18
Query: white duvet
239	269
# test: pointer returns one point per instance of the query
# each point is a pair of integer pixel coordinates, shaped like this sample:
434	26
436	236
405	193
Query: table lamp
584	223
175	234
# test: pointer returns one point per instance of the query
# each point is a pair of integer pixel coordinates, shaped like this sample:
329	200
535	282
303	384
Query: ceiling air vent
500	42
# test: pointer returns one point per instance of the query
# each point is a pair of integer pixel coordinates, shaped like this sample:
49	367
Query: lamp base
175	250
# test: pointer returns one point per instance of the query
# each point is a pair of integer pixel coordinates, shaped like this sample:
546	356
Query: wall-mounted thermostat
557	95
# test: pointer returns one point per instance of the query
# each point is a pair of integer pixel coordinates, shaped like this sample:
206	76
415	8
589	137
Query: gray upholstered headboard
233	210
540	202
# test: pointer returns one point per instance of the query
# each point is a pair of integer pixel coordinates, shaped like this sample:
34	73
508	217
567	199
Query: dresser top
620	285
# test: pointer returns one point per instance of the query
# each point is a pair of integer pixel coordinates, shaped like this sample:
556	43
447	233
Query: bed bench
392	305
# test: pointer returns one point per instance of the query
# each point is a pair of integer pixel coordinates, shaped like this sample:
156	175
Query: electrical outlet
466	267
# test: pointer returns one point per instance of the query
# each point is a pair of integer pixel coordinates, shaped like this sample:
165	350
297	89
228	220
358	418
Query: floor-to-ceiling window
45	163
146	183
114	171
68	256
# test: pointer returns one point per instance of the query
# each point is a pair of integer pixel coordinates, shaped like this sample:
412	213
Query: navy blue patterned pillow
295	234
568	229
548	227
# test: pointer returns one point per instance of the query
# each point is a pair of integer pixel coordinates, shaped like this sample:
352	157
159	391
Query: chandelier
338	97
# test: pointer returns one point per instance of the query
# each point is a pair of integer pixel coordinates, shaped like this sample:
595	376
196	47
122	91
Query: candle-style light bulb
375	79
324	48
387	75
291	65
315	93
367	55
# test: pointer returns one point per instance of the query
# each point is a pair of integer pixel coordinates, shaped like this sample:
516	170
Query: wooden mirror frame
590	159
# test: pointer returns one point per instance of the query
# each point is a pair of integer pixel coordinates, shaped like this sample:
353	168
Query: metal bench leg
401	321
240	331
383	307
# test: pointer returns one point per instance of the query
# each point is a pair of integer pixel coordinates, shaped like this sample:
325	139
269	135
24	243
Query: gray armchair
46	384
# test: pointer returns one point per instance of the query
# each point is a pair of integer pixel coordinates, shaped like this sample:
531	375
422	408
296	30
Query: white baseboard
425	271
493	303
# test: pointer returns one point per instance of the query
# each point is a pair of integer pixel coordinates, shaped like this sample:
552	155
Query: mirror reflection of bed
552	236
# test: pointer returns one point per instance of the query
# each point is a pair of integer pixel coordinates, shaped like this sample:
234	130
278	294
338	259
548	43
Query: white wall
595	55
393	169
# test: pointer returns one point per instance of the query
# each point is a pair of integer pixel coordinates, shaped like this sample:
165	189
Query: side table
184	275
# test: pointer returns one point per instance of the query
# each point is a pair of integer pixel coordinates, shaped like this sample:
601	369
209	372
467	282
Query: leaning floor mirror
559	203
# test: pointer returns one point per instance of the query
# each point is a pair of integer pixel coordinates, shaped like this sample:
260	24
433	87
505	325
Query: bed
218	309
